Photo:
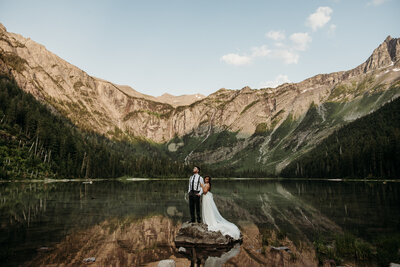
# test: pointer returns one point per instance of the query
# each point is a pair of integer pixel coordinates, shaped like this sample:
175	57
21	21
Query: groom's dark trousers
194	204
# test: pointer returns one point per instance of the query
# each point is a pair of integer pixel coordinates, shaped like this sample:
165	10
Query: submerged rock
197	234
182	249
166	263
44	249
280	248
90	259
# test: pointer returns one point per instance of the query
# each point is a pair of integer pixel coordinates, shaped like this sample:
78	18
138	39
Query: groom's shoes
199	221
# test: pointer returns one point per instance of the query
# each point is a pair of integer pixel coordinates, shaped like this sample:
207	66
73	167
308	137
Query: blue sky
186	47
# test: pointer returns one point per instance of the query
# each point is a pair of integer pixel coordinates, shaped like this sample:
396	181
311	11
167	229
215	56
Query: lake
133	222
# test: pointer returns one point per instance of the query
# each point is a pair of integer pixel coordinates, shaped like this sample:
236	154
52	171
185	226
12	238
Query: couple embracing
199	187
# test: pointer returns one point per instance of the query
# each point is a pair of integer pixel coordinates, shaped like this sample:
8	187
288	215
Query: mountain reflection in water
134	223
133	242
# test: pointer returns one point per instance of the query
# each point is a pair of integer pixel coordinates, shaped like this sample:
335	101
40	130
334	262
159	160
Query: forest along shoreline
139	179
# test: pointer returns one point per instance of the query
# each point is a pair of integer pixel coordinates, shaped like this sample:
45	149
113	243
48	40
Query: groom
195	191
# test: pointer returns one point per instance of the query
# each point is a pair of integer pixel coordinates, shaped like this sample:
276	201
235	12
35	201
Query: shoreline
140	179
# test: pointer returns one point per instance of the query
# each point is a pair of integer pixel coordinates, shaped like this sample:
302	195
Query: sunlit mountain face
246	129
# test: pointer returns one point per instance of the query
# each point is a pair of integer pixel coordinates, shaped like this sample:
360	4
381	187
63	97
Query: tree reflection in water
135	222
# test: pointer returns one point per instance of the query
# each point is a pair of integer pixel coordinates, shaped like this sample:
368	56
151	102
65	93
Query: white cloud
332	30
276	35
376	2
280	79
288	49
319	18
238	60
288	56
260	51
235	59
300	40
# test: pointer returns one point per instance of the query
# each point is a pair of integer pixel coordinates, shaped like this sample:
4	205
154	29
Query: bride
211	215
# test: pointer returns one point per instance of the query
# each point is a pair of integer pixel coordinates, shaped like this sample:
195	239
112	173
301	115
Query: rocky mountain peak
246	89
388	38
2	28
182	100
393	46
166	95
386	54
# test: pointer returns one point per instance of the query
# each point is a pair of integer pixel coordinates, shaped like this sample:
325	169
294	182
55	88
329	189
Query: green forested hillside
366	148
35	143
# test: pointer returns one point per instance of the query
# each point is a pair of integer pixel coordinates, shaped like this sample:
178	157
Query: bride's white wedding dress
214	220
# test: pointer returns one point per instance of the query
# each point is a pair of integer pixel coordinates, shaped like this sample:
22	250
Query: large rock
197	235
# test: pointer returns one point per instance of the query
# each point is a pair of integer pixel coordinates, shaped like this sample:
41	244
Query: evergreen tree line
369	147
232	172
35	143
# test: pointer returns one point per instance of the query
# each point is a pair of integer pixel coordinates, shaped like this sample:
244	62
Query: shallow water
38	220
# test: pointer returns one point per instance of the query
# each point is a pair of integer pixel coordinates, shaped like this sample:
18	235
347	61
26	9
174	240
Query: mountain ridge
254	116
181	100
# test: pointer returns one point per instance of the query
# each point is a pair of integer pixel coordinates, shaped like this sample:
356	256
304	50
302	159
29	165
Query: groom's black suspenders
198	182
192	187
192	184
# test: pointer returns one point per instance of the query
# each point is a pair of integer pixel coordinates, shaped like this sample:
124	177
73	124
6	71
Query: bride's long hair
209	181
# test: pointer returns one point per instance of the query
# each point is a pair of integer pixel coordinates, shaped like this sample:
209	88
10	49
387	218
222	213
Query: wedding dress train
214	220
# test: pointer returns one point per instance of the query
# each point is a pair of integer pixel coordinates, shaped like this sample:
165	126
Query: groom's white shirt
197	178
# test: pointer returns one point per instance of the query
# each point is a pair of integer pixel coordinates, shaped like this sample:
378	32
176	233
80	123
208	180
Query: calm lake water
134	222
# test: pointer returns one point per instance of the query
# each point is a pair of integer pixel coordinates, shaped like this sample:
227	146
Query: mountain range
260	129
